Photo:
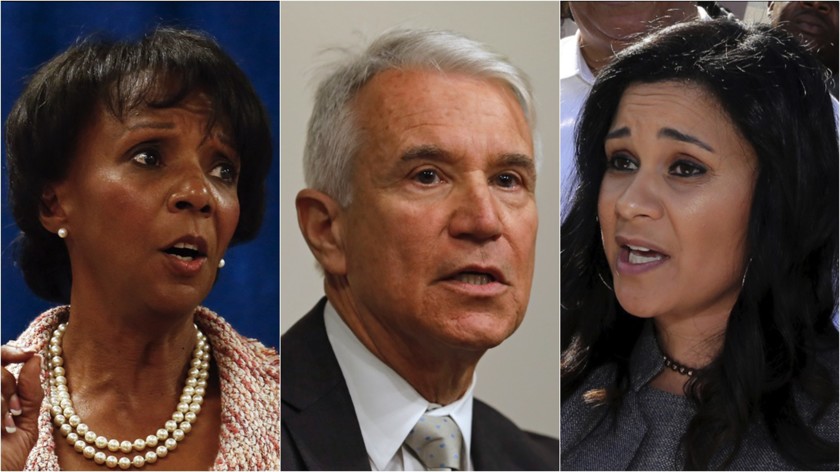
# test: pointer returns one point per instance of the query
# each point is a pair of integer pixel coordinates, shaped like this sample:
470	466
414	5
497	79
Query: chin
639	309
633	304
177	300
482	331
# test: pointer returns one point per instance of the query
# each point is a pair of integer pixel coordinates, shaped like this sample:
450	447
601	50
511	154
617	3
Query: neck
128	350
693	342
594	57
598	55
438	372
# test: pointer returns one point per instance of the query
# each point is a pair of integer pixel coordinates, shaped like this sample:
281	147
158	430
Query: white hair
332	137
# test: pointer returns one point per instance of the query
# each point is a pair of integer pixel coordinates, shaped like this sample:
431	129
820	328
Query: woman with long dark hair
699	258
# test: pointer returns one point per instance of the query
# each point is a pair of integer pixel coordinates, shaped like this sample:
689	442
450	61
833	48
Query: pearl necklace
86	442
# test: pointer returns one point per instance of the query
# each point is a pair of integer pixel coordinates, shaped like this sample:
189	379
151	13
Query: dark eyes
224	171
681	168
508	180
622	163
147	159
686	169
428	177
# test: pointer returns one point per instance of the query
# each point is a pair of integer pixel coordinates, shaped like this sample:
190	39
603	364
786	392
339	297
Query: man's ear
320	223
50	211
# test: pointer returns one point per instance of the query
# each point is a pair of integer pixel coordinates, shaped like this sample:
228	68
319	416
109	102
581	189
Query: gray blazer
646	432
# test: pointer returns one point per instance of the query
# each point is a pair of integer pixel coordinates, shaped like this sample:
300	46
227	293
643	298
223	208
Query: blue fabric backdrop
247	292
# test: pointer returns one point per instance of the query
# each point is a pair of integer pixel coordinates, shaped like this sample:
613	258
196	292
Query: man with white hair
420	208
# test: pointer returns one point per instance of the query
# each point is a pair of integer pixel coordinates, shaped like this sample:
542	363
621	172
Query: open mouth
474	278
185	251
642	255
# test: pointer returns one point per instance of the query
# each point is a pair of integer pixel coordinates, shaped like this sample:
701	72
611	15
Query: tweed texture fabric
250	390
645	433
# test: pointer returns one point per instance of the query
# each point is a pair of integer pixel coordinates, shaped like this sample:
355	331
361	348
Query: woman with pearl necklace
133	166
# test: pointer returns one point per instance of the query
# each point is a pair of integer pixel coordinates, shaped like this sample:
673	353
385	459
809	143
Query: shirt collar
646	358
570	47
387	406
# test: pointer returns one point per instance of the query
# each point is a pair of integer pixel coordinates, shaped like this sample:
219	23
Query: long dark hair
160	70
774	92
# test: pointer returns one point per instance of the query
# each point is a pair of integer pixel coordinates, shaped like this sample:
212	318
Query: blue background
247	292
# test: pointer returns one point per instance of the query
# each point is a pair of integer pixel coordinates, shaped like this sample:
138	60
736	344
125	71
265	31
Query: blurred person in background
815	25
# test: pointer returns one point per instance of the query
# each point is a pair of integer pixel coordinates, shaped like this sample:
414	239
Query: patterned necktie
437	442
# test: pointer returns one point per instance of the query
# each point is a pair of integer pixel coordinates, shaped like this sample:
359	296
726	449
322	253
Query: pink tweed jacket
250	383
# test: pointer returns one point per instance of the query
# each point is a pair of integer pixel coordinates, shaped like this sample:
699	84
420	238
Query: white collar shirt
387	406
575	83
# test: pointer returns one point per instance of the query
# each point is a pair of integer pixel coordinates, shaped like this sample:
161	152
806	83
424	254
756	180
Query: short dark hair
159	70
774	92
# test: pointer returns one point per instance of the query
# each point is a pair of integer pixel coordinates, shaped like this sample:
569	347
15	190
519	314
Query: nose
822	7
477	215
191	192
639	199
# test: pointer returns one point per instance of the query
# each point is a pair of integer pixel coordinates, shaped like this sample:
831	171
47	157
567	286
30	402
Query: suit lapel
318	414
498	444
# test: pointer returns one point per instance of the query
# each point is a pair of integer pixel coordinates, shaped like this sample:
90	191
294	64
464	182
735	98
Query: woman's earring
746	271
221	263
62	232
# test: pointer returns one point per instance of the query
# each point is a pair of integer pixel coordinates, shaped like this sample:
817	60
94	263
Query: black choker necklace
672	364
677	367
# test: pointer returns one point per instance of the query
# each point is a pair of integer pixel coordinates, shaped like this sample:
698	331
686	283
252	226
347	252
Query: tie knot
437	442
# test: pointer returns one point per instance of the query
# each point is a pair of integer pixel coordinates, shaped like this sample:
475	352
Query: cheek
717	227
115	200
381	244
606	215
228	218
523	225
409	240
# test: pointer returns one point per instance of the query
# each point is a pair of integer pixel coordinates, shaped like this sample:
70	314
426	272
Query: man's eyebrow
522	161
434	153
426	151
686	138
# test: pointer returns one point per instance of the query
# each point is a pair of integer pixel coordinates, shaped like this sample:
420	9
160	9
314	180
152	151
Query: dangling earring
62	232
221	263
604	281
598	269
746	271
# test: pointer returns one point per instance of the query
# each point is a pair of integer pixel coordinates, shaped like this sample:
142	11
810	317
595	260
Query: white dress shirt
387	406
575	83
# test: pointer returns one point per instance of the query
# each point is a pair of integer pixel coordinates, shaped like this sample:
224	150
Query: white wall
521	377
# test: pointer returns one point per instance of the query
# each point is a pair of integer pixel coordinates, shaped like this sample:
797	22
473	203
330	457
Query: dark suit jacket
321	432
